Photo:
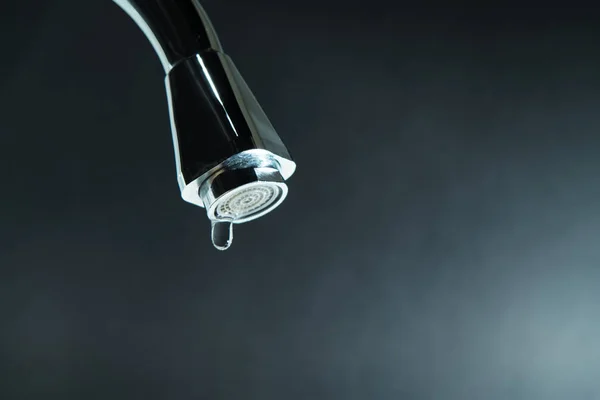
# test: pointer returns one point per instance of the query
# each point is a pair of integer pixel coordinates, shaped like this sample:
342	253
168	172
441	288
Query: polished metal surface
215	119
221	135
176	29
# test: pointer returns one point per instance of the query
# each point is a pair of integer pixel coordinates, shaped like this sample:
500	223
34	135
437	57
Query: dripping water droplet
222	234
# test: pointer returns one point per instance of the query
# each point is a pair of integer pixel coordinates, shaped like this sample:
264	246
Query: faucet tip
238	196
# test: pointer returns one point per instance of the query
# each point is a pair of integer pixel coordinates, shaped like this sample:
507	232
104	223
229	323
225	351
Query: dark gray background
440	239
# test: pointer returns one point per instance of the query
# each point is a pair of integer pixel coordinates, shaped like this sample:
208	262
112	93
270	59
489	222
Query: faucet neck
177	29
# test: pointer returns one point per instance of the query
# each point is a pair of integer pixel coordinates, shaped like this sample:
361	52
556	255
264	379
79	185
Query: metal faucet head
229	157
242	195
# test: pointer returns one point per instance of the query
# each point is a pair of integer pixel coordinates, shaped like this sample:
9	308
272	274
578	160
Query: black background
440	239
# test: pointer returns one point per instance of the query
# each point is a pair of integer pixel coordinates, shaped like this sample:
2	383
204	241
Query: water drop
222	234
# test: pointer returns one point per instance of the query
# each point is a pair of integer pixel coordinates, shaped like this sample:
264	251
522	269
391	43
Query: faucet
228	156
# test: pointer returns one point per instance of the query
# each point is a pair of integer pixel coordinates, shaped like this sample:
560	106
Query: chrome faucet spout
176	29
228	156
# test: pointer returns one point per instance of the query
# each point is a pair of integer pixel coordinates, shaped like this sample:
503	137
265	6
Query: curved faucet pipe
228	155
176	29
